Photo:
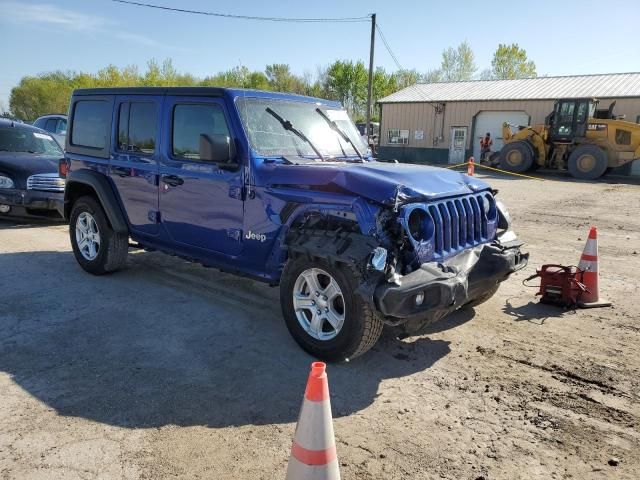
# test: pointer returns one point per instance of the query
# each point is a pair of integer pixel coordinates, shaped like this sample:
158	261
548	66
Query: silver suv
55	124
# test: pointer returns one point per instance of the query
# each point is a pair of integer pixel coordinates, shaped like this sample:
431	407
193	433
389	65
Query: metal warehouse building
441	123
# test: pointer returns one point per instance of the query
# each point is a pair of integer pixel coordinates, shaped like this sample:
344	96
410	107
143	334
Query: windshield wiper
288	126
334	126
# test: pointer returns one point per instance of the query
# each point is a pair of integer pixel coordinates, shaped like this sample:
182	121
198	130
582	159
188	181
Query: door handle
172	180
121	171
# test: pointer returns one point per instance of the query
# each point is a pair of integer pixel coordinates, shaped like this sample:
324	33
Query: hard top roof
203	91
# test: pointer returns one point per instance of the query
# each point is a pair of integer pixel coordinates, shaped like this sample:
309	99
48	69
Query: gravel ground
170	370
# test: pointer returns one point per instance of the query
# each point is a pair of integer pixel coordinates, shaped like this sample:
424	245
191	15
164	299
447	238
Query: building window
398	137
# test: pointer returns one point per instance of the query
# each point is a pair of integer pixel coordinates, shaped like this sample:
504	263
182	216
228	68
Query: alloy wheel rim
319	304
87	236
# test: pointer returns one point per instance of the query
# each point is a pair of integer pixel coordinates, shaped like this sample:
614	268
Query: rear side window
137	127
189	122
91	124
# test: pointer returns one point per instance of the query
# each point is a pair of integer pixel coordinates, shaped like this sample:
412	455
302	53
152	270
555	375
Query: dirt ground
171	370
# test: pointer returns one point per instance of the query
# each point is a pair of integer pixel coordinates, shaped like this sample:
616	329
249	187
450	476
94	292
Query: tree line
342	80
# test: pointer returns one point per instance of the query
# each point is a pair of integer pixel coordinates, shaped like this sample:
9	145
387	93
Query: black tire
494	159
113	247
516	157
361	328
484	298
588	162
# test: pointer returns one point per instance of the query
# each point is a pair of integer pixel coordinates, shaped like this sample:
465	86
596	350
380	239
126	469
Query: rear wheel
323	311
516	157
587	162
97	248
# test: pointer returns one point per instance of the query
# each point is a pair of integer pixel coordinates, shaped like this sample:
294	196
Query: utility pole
367	125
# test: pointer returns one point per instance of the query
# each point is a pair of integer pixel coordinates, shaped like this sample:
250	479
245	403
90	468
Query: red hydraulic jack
560	285
573	286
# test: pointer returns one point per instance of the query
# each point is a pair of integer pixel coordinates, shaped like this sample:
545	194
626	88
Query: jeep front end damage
418	261
446	255
437	289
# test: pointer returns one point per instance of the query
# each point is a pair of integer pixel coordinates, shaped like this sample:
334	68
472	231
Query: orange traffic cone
589	265
470	167
313	453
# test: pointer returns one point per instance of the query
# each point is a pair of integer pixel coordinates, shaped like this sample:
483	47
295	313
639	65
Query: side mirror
217	148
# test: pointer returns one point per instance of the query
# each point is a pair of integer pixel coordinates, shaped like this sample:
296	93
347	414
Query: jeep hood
385	183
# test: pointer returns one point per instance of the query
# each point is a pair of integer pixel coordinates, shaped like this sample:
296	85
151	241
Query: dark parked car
29	182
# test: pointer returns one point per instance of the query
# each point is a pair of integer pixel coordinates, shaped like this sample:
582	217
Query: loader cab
570	118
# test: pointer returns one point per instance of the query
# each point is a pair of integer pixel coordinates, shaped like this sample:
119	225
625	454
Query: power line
386	44
435	106
249	17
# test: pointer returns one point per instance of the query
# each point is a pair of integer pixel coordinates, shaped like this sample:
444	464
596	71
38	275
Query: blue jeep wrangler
280	188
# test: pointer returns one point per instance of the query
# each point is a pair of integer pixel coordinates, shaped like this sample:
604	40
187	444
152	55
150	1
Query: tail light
63	168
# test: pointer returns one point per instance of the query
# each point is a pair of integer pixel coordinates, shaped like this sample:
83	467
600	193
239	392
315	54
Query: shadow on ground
14	224
166	342
534	312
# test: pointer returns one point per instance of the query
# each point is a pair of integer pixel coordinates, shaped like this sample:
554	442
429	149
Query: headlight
486	204
489	207
5	182
504	219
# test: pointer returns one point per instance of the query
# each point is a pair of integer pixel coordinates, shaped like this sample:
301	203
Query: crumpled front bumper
447	286
32	203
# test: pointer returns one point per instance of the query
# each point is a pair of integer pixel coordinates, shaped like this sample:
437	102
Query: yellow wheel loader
575	137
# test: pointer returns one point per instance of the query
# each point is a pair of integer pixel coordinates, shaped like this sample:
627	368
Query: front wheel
323	311
516	157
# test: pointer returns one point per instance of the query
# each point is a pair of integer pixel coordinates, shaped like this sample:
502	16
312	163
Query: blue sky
560	36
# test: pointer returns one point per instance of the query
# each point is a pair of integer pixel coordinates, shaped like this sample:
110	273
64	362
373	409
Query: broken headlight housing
504	218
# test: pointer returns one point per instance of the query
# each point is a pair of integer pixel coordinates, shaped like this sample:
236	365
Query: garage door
489	121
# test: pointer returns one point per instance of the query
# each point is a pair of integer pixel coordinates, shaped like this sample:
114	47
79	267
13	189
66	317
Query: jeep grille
441	229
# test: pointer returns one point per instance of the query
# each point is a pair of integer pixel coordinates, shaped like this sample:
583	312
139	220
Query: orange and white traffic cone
470	166
589	266
313	453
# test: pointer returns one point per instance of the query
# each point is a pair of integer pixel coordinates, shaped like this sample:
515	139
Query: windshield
22	140
268	137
